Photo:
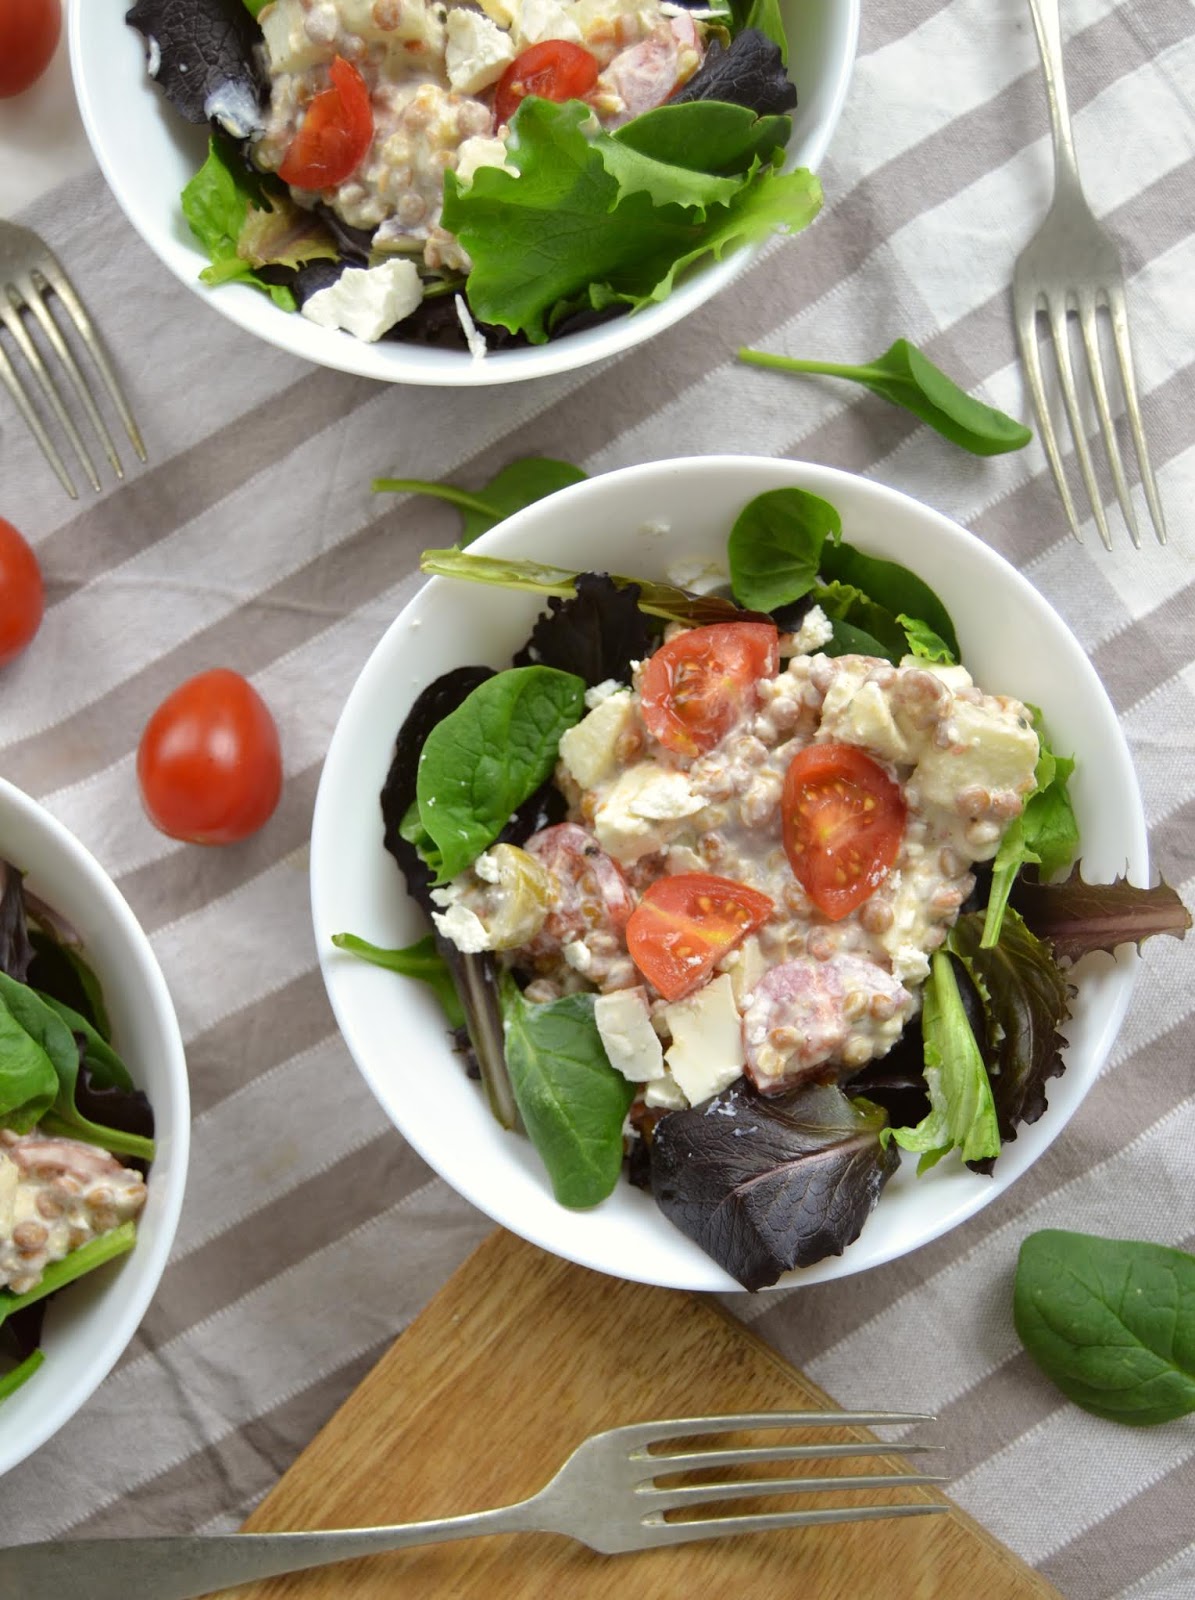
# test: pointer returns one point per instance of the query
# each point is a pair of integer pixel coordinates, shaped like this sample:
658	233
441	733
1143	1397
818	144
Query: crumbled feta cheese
477	152
706	1053
536	20
665	1094
589	750
478	52
699	577
464	927
816	630
478	348
487	868
366	301
578	955
632	1045
633	818
601	691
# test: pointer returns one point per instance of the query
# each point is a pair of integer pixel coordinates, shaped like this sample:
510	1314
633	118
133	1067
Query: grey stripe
256	1038
1134	662
1172	844
883	25
1108	1120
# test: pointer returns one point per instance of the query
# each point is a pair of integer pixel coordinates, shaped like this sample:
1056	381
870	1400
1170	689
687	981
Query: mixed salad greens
63	1082
772	1181
578	223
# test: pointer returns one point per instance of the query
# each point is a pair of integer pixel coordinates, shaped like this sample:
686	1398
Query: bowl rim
148	1257
506	538
390	361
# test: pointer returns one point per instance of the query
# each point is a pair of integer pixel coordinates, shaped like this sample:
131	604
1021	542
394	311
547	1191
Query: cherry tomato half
843	820
553	70
335	134
29	32
696	687
22	598
684	925
209	763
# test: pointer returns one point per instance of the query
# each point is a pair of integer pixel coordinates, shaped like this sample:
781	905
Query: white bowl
90	1322
147	154
640	521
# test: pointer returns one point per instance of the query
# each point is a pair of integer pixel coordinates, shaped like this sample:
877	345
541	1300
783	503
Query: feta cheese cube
464	927
478	151
637	814
478	52
289	47
366	301
632	1044
588	749
955	678
536	20
706	1053
994	750
665	1094
866	719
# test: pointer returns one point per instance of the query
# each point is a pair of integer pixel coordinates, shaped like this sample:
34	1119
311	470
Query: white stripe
1175	1580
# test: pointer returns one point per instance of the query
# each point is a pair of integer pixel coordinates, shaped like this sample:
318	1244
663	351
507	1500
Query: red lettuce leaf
16	951
596	633
1077	917
798	1189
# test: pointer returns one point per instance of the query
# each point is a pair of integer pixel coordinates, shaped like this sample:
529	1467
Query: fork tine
1026	317
14	386
1095	367
665	1464
49	270
1124	356
33	299
11	316
645	1433
765	1522
699	1494
1057	313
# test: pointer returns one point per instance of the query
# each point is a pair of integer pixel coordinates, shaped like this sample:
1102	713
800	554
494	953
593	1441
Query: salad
742	896
76	1137
477	175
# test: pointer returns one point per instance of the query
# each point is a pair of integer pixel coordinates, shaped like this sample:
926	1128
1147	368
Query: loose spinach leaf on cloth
764	1184
566	230
1077	917
1111	1322
596	634
16	949
203	55
907	378
571	1099
962	1111
520	484
775	547
420	960
488	756
217	204
1026	1001
750	72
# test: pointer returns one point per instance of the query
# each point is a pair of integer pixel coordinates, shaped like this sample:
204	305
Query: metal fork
604	1496
1073	265
29	275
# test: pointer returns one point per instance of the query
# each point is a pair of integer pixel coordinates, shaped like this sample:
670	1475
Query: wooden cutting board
517	1359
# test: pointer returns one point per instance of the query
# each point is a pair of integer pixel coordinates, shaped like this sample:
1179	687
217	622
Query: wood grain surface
516	1360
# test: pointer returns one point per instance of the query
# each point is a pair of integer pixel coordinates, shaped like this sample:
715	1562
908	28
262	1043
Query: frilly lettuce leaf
216	204
1077	917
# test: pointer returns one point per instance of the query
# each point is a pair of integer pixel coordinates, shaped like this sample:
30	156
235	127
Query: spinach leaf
1077	917
907	378
12	1380
596	634
16	950
565	228
923	642
60	969
860	625
656	599
1025	1002
106	1066
28	1082
419	960
748	73
1111	1322
520	484
705	136
891	586
763	1184
489	755
962	1111
775	547
571	1099
1045	834
216	204
105	1247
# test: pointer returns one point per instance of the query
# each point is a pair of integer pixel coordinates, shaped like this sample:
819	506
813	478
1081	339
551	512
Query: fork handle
1047	24
187	1567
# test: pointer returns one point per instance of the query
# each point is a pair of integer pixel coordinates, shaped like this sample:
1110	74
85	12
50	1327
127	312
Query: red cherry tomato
591	892
697	686
335	134
22	598
553	70
209	762
29	32
684	925
843	820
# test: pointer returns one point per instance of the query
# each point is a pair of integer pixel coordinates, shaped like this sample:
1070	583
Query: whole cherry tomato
553	70
22	599
29	32
209	763
843	819
335	134
697	686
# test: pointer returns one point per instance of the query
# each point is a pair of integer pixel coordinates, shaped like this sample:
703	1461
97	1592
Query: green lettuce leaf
924	643
217	204
1045	835
708	136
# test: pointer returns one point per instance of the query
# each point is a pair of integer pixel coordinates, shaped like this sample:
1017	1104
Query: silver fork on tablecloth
1072	265
605	1496
31	281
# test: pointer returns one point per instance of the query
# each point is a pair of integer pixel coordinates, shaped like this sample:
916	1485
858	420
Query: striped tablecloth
311	1234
